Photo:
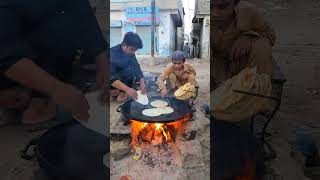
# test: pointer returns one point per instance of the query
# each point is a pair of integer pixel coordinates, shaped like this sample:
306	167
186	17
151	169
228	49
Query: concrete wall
168	4
175	6
180	10
173	30
205	38
164	31
202	6
117	15
180	38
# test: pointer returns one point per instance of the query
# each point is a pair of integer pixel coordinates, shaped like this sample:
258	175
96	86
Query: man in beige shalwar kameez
178	73
242	39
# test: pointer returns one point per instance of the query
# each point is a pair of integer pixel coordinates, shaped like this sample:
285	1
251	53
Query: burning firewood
146	134
157	133
166	133
149	136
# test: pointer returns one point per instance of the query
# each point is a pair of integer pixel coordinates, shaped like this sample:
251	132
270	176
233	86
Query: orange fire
160	129
155	133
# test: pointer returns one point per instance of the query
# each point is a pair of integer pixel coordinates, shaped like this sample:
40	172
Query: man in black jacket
124	67
38	42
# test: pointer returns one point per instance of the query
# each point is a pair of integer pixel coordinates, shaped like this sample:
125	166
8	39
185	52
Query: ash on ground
161	156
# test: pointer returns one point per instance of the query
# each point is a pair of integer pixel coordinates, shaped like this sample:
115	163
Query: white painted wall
205	38
164	33
117	15
173	30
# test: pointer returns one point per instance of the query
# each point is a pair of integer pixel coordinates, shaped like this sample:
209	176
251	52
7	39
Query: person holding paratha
177	73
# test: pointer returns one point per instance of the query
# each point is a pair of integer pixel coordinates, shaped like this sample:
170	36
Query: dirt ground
13	139
297	52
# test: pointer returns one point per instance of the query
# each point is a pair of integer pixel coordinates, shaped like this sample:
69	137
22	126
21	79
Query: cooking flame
155	133
158	126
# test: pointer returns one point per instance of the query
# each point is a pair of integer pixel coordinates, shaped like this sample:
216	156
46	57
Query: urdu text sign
142	15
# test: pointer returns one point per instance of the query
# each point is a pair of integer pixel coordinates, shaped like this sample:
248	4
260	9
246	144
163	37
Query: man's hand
240	48
32	76
121	86
72	100
142	86
131	92
164	92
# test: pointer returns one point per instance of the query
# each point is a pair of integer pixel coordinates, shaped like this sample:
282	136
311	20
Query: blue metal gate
145	33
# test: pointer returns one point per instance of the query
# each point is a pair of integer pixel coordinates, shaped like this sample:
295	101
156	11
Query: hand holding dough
142	98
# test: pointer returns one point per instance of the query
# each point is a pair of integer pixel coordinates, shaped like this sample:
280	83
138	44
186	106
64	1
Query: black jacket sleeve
137	69
113	68
12	46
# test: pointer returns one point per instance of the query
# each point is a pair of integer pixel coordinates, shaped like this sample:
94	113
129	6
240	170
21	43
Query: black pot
70	151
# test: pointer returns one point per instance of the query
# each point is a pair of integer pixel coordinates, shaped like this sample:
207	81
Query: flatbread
185	92
159	103
142	98
153	112
228	105
166	110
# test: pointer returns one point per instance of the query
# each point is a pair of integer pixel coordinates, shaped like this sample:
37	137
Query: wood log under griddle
146	134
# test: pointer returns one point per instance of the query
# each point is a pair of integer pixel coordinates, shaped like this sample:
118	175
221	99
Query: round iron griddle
70	151
133	110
